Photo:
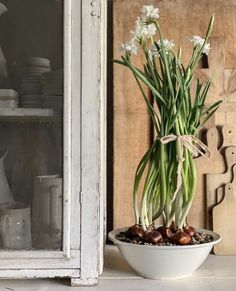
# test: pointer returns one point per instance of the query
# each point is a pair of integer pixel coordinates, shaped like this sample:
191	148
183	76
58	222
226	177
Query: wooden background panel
131	121
180	20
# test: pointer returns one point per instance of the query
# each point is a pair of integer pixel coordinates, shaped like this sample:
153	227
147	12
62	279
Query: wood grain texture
42	146
90	134
215	181
215	70
229	135
131	121
197	215
223	220
74	64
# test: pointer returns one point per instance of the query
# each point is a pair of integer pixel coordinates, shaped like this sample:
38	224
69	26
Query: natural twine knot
195	147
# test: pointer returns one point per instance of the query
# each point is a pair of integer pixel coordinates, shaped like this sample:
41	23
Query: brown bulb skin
136	231
173	227
165	231
190	230
181	238
153	237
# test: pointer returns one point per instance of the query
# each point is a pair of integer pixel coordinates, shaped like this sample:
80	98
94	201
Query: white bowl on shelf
164	262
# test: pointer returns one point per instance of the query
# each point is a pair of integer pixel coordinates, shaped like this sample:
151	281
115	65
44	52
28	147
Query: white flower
153	52
198	42
137	32
206	48
149	30
129	47
148	12
143	30
166	45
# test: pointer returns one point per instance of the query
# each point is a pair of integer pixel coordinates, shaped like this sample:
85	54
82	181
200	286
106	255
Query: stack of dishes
8	98
52	89
30	81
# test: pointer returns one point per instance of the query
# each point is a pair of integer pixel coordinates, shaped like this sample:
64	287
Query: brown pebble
173	227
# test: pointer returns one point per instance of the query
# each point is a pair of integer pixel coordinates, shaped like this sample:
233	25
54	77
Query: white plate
8	93
8	104
29	91
38	61
31	106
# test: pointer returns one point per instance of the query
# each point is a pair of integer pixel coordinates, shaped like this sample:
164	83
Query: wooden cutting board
224	216
216	164
214	181
229	135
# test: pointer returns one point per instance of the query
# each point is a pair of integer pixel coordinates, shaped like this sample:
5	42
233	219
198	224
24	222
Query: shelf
28	114
216	273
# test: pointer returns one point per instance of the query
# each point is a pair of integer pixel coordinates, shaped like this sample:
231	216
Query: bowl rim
216	236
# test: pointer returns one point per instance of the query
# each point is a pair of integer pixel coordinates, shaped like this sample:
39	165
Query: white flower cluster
149	13
144	29
166	45
129	47
198	42
153	52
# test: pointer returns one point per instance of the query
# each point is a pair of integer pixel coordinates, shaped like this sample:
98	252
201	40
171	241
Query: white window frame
84	178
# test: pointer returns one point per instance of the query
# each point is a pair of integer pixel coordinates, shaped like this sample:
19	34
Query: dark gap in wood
204	62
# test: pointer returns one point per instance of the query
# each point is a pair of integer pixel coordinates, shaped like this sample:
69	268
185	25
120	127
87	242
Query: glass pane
31	137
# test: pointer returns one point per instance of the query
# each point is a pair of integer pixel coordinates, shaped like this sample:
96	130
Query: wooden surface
229	135
215	181
131	124
33	149
214	70
132	133
91	127
216	273
216	164
224	216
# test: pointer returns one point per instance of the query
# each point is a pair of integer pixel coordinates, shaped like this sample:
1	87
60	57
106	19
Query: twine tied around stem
195	147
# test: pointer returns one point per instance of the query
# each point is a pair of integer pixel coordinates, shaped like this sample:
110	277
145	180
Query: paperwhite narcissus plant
199	42
167	168
146	28
149	13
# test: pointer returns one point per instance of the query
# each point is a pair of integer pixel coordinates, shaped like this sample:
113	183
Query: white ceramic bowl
164	262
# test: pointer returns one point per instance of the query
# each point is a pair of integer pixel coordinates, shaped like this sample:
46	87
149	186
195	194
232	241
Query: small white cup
15	226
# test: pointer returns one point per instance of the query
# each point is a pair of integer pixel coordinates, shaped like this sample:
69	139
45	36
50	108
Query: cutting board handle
228	133
229	194
213	139
230	156
226	193
234	175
